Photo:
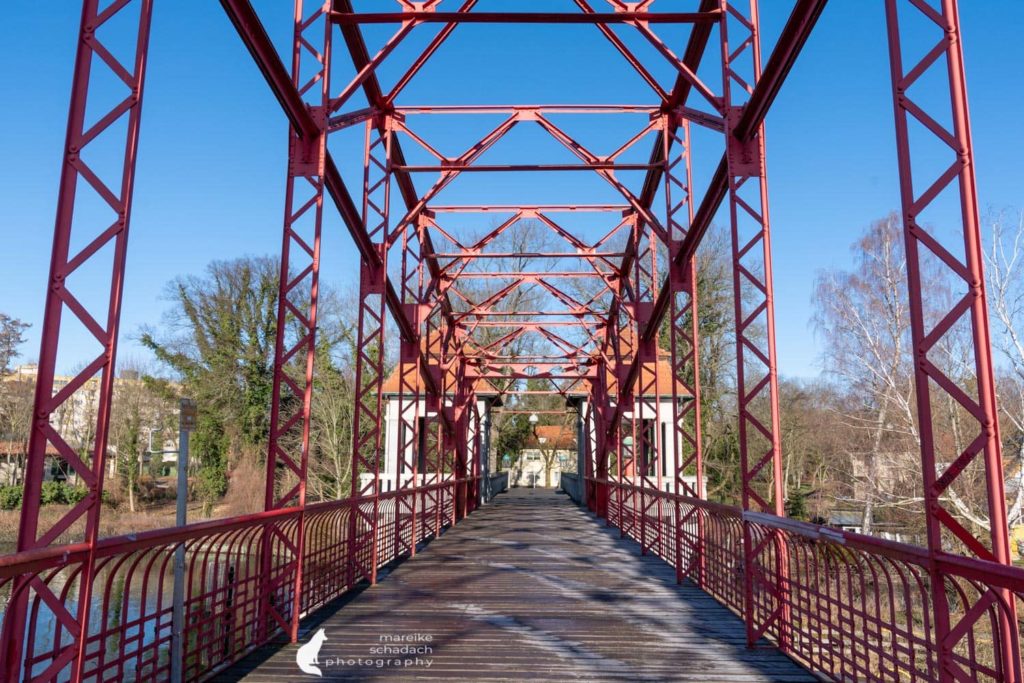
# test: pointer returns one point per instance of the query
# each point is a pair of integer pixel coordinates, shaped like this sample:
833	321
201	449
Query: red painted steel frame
295	348
684	348
92	56
917	193
368	415
756	375
848	606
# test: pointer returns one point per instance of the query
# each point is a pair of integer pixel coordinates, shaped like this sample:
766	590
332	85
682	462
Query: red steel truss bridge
615	317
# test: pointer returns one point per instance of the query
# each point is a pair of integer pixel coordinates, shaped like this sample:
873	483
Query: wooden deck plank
530	588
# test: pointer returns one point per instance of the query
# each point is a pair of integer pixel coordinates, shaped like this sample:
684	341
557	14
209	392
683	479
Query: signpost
186	422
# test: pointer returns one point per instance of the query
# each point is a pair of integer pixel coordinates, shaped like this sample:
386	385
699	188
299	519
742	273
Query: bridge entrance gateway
617	320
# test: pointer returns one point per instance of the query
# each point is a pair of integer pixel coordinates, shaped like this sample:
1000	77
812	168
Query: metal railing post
186	421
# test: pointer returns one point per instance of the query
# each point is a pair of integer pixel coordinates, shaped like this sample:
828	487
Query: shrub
10	497
74	494
52	493
211	483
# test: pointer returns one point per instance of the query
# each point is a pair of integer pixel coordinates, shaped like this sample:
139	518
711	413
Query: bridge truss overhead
608	297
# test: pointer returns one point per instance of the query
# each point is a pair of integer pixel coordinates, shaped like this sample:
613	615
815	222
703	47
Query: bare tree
865	319
864	315
16	398
332	413
12	335
1005	271
136	410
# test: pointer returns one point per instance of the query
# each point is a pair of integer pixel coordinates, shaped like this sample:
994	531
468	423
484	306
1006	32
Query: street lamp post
186	422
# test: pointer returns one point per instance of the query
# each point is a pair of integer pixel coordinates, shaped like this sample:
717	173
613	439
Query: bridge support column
684	349
604	441
934	240
410	466
460	443
645	406
295	348
103	236
756	377
368	415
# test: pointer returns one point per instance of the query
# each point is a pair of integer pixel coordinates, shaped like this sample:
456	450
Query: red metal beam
429	16
254	36
933	256
796	31
248	25
115	132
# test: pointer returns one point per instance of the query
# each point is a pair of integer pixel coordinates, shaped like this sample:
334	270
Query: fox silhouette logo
309	654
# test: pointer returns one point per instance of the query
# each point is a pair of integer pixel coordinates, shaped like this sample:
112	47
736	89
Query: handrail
34	561
875	592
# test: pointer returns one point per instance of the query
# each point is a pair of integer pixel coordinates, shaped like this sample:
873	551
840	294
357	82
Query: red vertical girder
589	473
61	299
445	438
407	474
923	240
756	378
295	348
368	416
600	408
460	445
621	346
685	355
646	452
432	423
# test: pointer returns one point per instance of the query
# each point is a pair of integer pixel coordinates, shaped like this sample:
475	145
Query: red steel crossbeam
534	325
600	262
419	16
253	34
919	190
386	124
534	375
450	167
79	178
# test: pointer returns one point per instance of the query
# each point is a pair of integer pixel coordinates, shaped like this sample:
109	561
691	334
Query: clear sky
212	152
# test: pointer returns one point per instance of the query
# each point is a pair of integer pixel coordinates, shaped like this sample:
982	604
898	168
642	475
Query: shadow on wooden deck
530	587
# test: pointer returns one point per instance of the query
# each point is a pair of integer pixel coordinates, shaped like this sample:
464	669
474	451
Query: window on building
421	446
649	449
664	461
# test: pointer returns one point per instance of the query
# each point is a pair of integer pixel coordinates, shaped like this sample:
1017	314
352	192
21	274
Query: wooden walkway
529	588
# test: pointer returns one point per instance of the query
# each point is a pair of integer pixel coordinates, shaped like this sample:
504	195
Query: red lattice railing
858	607
129	635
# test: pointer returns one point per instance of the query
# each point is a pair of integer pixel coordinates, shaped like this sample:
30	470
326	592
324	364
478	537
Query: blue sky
212	153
